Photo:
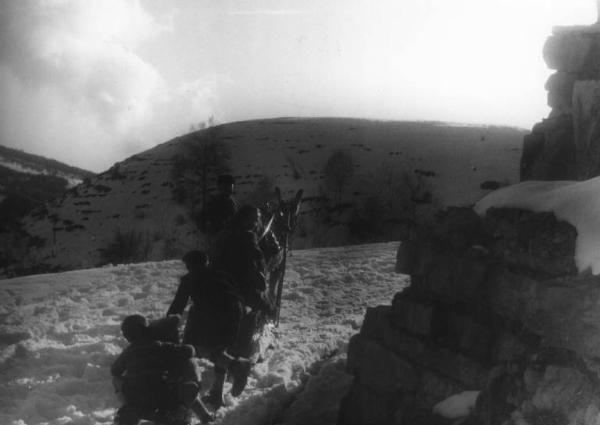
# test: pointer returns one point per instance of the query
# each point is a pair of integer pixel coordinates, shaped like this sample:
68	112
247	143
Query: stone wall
496	305
566	145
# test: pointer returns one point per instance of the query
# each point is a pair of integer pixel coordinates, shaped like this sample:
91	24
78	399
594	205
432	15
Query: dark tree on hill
24	193
204	158
131	246
338	171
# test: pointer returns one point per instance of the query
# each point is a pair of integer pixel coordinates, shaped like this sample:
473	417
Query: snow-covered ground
13	165
59	333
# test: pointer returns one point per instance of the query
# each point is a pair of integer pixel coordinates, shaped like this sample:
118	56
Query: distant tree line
25	192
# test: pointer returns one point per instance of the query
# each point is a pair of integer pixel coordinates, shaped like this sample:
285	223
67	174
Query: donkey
276	241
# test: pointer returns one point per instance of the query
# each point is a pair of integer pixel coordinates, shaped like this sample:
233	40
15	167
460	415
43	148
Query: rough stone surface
586	119
509	347
411	315
501	310
496	304
549	151
534	243
560	91
363	406
569	52
406	257
379	369
468	336
566	145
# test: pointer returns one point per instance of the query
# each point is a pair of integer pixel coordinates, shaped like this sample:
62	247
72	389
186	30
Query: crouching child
155	380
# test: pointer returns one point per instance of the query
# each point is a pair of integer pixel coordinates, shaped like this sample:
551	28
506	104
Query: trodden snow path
59	333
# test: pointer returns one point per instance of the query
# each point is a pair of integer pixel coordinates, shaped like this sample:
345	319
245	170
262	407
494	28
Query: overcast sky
90	82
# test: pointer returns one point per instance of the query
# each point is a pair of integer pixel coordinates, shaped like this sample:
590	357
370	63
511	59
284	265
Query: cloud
267	12
70	70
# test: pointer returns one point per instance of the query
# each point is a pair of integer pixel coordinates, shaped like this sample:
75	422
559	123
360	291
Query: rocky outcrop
495	304
566	145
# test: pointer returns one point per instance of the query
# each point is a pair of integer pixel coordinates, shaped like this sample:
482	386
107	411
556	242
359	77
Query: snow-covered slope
26	163
578	203
139	195
59	334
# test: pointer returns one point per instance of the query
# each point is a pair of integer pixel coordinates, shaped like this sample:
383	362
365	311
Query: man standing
237	253
220	208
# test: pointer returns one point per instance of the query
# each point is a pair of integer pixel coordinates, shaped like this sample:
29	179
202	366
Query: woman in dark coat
214	318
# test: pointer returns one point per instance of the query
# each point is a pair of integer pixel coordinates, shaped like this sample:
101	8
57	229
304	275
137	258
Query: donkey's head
286	213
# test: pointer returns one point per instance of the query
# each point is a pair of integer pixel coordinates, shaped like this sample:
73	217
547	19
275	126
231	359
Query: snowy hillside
26	163
59	334
152	198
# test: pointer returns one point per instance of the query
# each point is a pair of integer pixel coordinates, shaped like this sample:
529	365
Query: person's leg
189	389
243	346
201	411
240	370
190	332
215	394
243	350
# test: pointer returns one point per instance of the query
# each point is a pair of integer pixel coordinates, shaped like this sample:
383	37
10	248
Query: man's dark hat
225	178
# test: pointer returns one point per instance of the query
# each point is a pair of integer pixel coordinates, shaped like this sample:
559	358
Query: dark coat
238	254
141	357
214	318
217	211
147	368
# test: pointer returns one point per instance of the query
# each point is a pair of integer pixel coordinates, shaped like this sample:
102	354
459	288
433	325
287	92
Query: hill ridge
398	169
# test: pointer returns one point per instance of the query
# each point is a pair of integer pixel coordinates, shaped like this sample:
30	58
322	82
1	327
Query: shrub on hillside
193	170
368	223
338	171
18	253
26	193
263	191
126	247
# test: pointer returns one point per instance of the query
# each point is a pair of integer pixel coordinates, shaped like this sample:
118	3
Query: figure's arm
255	272
255	262
206	215
181	298
120	364
233	312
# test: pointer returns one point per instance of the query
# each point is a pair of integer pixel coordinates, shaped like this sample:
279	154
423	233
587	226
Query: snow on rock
575	202
457	405
59	333
320	400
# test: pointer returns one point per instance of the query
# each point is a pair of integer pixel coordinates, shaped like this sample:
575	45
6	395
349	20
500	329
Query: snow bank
458	405
575	202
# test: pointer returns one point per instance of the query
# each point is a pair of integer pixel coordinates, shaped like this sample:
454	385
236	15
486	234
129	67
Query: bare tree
338	171
205	156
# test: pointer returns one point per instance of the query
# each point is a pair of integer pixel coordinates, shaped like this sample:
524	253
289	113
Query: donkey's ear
298	197
278	194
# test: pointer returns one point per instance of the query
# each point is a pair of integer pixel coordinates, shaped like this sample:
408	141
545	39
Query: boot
240	370
202	412
215	395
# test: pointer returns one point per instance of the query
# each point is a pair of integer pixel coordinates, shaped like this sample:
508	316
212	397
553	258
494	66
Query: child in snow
213	322
155	380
